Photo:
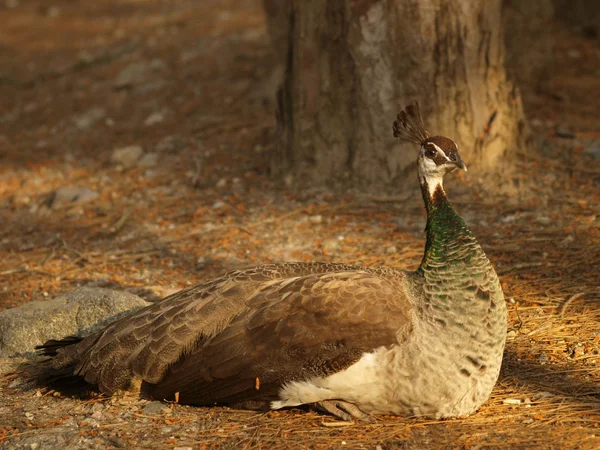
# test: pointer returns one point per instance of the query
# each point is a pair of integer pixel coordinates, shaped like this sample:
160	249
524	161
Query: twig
564	306
120	223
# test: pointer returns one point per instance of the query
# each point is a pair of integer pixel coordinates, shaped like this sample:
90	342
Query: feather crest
409	125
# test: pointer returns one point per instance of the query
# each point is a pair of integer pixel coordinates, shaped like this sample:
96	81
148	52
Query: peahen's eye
430	152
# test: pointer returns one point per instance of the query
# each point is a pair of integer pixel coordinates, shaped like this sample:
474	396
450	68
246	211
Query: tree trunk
350	65
529	40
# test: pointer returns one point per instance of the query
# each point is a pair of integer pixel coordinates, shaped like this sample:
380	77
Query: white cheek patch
441	152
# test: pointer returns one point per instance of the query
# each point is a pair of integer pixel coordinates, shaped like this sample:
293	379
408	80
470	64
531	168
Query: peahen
350	340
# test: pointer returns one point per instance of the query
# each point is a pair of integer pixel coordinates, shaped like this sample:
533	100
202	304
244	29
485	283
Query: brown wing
293	329
144	345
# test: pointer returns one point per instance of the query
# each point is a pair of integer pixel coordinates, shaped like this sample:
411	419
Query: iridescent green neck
447	233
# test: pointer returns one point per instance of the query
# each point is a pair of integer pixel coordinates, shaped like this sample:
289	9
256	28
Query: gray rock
128	156
154	118
76	313
593	149
90	117
138	73
70	195
564	133
148	160
154	408
171	144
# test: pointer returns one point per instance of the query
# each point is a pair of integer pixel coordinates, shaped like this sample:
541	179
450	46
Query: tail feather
51	347
44	373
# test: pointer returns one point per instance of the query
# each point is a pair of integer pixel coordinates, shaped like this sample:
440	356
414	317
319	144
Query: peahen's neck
448	238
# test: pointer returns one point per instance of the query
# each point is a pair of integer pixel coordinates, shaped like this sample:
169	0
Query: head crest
409	125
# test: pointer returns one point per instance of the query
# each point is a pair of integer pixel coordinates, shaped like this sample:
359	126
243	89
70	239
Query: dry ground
199	95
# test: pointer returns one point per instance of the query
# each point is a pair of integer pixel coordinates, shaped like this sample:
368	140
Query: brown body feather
277	323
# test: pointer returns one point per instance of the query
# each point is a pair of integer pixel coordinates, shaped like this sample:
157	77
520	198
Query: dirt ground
191	83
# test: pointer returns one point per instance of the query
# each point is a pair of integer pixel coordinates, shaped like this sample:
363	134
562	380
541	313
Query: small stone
148	160
170	144
593	149
90	117
128	156
331	245
564	133
218	204
317	218
567	241
511	335
536	123
97	407
69	195
154	118
137	73
29	416
542	358
391	250
221	183
34	446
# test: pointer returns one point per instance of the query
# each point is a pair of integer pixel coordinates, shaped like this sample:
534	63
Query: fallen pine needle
337	424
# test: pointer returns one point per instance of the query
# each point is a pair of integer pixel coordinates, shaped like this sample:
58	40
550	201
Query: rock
148	160
70	195
137	73
170	144
593	149
564	133
90	117
128	156
76	313
154	408
316	219
154	118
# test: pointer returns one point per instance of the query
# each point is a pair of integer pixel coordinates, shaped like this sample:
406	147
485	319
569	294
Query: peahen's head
438	155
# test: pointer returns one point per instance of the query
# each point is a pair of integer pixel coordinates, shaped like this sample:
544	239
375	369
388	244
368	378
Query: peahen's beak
458	163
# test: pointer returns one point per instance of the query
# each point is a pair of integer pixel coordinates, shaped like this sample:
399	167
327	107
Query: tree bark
350	65
529	40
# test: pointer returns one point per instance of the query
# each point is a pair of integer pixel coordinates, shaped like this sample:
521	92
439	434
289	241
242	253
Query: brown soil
208	206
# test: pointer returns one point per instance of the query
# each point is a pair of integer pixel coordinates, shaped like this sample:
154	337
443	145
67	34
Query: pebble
593	149
154	408
128	156
70	195
564	133
391	250
154	118
90	117
137	73
318	218
170	144
148	160
218	204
